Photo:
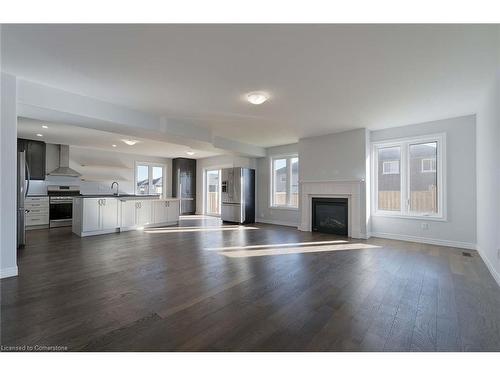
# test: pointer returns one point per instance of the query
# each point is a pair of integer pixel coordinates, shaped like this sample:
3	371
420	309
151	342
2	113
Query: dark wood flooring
263	288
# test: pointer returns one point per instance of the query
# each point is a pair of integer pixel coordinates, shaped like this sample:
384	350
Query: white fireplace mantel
353	190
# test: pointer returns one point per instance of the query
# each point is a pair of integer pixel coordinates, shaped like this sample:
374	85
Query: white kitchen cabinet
109	213
95	216
128	214
37	212
165	211
160	212
91	214
144	212
173	209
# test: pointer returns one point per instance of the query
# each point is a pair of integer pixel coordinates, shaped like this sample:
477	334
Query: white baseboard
276	222
486	261
8	272
430	241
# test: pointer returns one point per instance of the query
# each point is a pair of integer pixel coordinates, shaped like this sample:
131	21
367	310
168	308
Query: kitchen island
102	214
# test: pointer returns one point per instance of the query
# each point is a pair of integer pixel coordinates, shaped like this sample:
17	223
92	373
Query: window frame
390	161
432	164
404	144
150	166
272	181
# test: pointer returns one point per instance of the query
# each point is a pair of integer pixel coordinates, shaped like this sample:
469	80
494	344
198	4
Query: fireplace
330	215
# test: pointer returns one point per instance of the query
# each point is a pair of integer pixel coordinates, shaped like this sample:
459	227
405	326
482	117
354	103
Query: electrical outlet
424	226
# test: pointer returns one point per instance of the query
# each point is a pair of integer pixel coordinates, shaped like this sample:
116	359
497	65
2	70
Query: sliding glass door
212	192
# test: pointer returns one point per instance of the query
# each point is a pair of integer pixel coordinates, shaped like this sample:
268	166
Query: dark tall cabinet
184	183
35	157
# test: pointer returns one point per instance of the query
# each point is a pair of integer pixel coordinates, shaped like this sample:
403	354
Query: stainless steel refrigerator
238	195
23	184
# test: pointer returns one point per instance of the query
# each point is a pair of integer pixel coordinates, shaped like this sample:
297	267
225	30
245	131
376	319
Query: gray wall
488	179
8	177
265	213
339	156
460	226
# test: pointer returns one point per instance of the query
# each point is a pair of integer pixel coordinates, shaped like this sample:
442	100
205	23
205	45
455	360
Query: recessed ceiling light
113	145
129	142
257	97
39	135
190	152
45	126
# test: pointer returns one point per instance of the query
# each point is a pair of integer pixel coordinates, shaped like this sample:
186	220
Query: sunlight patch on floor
198	217
227	248
296	250
199	229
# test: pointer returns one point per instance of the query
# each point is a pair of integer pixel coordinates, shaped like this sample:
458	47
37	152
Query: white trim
426	240
390	215
8	272
390	163
277	222
404	144
490	267
432	164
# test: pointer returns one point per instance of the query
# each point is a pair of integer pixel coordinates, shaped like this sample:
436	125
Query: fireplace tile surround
353	190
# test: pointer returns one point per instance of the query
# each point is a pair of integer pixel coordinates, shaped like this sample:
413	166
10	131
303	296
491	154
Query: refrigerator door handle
29	178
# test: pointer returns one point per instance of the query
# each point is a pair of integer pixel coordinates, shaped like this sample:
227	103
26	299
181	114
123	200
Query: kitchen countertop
125	197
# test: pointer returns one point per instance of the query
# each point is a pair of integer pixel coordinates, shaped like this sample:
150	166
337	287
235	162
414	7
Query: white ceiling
322	78
91	138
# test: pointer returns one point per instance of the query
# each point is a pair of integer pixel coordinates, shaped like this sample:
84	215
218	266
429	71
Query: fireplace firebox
330	215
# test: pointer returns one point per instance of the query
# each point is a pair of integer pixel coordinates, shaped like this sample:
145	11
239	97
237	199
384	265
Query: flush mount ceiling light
257	97
113	145
129	142
45	126
190	153
39	135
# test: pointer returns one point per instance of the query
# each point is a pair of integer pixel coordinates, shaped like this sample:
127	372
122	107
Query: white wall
266	214
100	168
460	227
216	162
8	176
488	179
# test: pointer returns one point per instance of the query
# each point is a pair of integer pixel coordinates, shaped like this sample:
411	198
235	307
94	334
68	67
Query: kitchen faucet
117	187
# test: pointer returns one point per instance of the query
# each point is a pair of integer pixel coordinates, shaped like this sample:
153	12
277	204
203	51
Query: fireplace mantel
353	190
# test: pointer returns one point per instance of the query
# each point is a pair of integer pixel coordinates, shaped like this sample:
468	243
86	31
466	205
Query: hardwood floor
202	287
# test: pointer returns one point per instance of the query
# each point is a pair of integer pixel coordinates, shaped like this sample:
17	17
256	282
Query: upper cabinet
184	183
35	157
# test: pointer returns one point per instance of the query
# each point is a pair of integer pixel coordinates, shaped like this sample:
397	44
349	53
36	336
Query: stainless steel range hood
64	169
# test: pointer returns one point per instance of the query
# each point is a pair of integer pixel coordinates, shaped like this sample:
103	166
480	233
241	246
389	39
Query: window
408	177
285	181
213	192
390	167
428	165
149	178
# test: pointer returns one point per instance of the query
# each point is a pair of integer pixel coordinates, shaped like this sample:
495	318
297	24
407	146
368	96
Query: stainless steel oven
61	205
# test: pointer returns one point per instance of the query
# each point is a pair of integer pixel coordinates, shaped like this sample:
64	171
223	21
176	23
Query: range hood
64	169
